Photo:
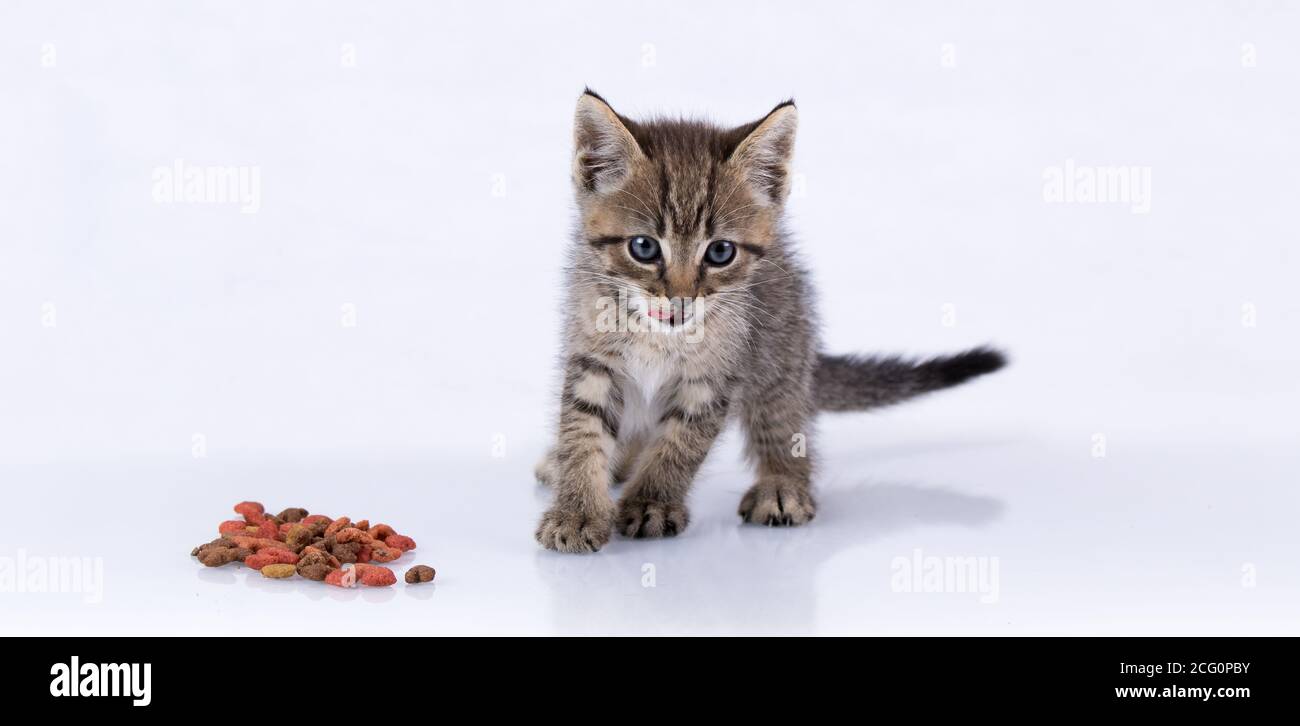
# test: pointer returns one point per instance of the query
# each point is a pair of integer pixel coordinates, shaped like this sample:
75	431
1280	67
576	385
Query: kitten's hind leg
777	425
547	470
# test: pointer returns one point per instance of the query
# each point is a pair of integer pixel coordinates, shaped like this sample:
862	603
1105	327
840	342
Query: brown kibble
218	543
316	565
298	536
218	556
420	574
346	552
363	525
293	514
279	571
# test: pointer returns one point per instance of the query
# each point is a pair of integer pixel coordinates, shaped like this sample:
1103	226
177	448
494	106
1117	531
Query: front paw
569	531
646	517
778	503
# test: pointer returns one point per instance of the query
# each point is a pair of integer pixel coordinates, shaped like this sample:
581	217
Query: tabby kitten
686	305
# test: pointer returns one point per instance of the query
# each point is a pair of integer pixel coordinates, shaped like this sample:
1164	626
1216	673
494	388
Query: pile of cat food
338	552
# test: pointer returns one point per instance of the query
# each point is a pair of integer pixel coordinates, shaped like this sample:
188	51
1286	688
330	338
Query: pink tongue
661	313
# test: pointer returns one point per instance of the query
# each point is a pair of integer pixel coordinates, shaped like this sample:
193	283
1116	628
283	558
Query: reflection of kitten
681	226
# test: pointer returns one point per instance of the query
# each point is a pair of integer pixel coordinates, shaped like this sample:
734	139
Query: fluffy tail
857	383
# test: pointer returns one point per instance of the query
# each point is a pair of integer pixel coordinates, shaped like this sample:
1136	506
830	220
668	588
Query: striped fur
646	393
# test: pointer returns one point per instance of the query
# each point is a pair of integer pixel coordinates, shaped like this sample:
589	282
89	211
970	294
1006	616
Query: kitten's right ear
603	147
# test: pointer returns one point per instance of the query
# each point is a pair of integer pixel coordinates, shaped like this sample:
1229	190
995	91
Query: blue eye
643	249
720	253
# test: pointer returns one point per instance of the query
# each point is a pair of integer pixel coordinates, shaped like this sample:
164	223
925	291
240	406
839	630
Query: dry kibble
279	571
336	525
218	556
400	541
293	514
316	565
380	553
342	578
419	574
345	551
375	576
335	551
233	526
253	512
298	536
271	557
352	534
257	543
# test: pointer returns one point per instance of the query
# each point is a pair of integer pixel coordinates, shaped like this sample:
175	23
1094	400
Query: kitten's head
678	210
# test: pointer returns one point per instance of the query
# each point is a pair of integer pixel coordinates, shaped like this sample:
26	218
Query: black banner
186	676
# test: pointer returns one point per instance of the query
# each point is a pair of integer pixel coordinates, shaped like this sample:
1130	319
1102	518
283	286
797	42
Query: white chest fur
642	400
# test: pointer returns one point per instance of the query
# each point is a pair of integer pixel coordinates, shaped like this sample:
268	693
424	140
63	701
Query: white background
923	188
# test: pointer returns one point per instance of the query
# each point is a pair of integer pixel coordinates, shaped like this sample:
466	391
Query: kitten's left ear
765	149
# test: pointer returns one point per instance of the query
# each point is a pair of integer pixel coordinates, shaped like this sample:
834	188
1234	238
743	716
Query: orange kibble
351	534
336	525
380	531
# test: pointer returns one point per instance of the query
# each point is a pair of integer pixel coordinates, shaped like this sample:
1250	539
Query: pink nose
662	313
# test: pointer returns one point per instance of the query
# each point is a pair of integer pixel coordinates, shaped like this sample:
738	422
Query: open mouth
673	314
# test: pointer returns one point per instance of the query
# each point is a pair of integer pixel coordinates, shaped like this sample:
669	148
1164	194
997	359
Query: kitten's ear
603	147
765	149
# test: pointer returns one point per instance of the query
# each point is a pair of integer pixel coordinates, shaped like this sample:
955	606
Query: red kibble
376	576
342	578
400	541
313	519
336	525
271	557
233	526
380	553
268	530
256	543
253	512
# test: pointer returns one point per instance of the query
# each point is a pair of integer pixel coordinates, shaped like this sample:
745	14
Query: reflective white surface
1171	334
